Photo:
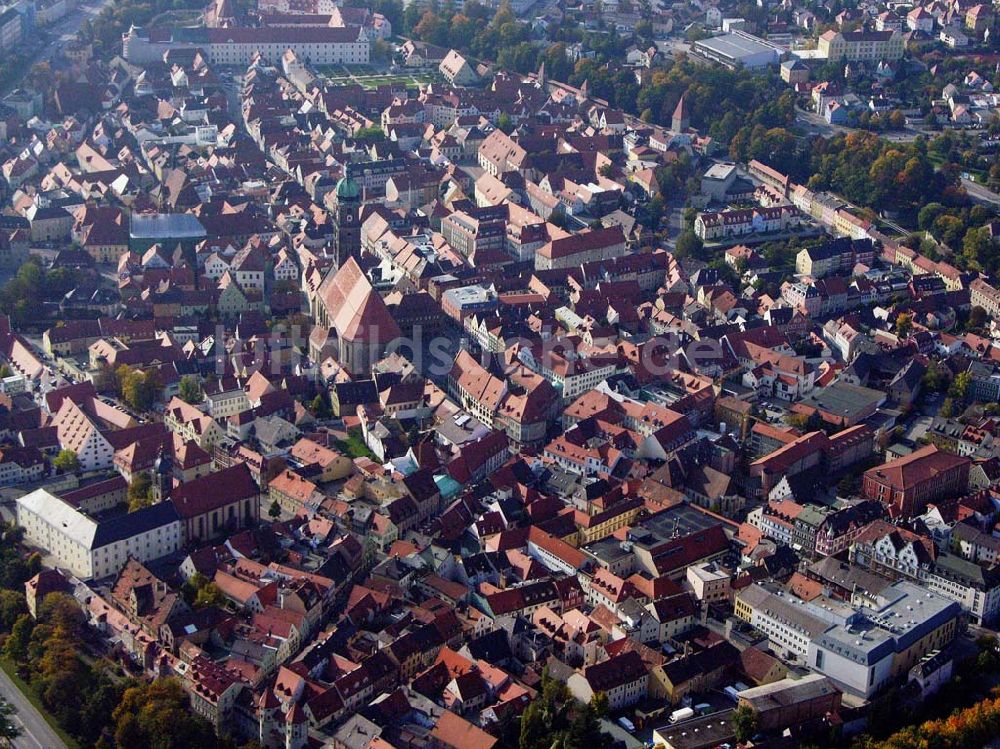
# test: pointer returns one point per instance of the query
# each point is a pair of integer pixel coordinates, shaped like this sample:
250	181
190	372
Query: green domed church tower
347	226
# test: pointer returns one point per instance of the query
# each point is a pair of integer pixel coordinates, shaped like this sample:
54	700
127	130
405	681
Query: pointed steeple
679	122
541	75
585	89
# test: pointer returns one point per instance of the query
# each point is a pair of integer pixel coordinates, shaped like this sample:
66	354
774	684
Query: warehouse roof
166	226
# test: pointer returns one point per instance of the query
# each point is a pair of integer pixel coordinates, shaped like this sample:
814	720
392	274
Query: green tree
140	492
209	595
977	247
15	647
599	705
9	730
320	407
274	510
959	389
189	390
505	124
374	133
934	379
12	607
656	210
138	389
66	462
689	245
744	723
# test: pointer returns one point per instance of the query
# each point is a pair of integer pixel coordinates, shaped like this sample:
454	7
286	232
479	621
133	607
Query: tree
157	715
209	595
190	391
140	492
977	247
15	647
904	324
61	612
744	723
274	510
9	730
373	133
796	420
138	389
12	607
599	705
656	209
505	124
959	389
934	379
320	407
66	462
689	245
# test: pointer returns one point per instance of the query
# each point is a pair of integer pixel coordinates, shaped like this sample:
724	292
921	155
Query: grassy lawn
355	447
343	75
11	670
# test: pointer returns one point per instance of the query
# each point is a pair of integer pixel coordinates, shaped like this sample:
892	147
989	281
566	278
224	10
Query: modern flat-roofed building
167	229
862	648
704	732
739	49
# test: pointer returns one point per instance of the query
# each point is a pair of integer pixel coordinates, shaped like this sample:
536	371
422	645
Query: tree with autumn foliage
972	727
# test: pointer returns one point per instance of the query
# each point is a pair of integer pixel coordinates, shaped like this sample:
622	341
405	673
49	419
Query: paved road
980	192
813	124
37	734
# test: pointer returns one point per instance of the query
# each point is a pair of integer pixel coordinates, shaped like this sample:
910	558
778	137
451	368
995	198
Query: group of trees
66	461
49	656
874	173
157	715
87	696
138	389
140	492
976	725
189	390
964	230
21	296
555	720
201	592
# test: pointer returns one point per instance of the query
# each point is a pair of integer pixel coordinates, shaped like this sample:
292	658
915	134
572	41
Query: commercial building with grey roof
738	49
166	229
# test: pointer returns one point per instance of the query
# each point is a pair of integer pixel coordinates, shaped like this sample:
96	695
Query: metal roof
166	226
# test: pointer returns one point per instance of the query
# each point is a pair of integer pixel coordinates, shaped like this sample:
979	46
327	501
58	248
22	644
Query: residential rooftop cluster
364	409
